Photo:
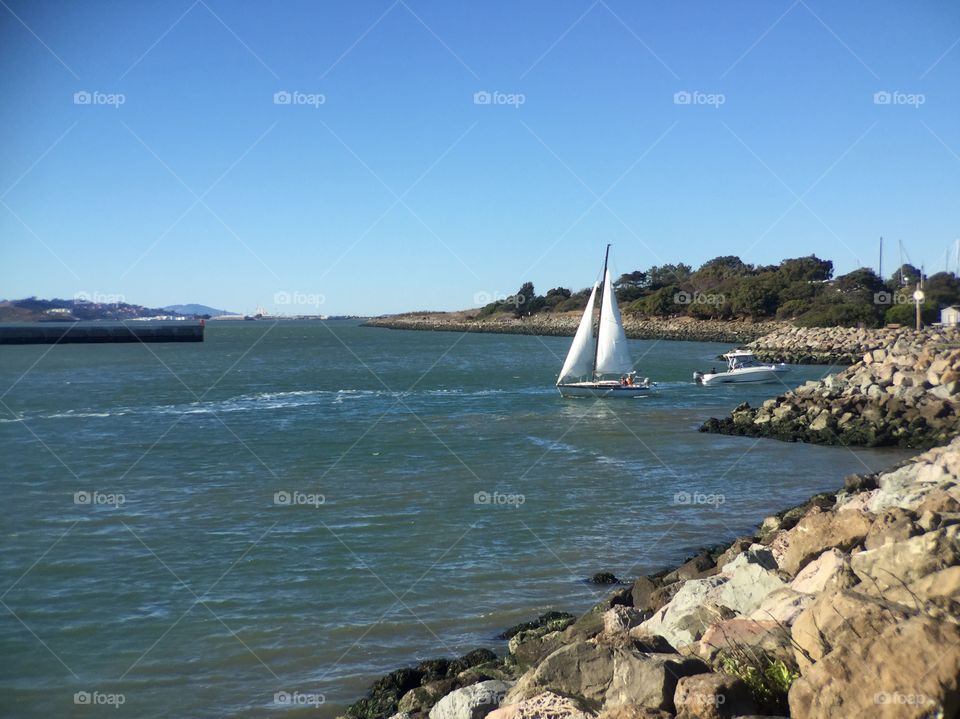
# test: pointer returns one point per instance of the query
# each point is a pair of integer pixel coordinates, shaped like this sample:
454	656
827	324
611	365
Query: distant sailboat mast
603	279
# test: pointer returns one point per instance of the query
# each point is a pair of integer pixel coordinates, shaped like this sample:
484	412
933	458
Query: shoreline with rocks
846	605
904	392
683	329
771	341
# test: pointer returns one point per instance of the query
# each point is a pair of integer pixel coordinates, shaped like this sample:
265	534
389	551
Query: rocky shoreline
845	606
823	345
565	325
905	392
770	341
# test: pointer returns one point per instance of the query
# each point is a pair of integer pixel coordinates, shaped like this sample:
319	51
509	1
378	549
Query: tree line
801	289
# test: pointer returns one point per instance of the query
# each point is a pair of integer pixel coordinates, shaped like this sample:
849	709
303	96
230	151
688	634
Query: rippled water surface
306	506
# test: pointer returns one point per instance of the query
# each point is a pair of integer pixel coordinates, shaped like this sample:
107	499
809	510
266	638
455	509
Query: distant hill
194	309
32	309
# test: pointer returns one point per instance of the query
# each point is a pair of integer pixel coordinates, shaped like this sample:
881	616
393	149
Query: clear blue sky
398	192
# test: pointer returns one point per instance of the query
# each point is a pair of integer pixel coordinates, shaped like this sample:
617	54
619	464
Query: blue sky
387	184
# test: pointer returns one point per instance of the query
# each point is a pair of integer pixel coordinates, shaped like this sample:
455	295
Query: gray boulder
473	702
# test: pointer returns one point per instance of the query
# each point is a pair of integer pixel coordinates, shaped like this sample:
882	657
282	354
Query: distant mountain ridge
33	309
195	309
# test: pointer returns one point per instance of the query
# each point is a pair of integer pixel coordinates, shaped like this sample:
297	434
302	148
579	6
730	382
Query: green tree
942	289
722	268
906	314
524	300
666	275
755	296
906	275
806	269
631	286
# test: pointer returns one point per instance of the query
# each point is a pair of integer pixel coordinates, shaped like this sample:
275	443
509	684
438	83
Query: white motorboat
742	366
591	357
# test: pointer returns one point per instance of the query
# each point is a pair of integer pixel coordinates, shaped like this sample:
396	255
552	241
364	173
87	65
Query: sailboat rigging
606	353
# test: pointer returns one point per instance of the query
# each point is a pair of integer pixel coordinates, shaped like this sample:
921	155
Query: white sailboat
590	358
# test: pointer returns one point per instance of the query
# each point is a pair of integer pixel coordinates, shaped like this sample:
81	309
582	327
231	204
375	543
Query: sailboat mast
603	279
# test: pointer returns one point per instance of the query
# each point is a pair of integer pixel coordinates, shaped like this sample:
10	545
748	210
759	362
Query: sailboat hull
604	390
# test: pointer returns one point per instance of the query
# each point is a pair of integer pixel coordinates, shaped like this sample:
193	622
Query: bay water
264	523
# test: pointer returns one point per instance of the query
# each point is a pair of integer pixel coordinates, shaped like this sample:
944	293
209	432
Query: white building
950	316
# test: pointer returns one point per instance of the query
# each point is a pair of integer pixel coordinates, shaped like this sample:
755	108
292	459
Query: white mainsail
613	356
579	360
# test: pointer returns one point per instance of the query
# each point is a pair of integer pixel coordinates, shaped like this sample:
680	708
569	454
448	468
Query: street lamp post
918	300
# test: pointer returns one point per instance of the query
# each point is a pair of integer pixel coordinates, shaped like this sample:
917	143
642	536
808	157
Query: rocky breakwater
845	606
823	345
565	325
906	393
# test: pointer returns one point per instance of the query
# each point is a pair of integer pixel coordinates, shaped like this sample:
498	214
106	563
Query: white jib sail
579	360
613	356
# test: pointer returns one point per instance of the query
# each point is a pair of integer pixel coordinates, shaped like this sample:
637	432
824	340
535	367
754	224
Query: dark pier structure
33	333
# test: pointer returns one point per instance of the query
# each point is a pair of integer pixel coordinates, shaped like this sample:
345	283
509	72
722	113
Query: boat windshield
743	361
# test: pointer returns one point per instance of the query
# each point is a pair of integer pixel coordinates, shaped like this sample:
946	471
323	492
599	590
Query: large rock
712	696
689	613
750	581
831	570
838	618
909	670
893	565
891	525
819	531
736	636
473	702
544	706
631	711
782	605
608	676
